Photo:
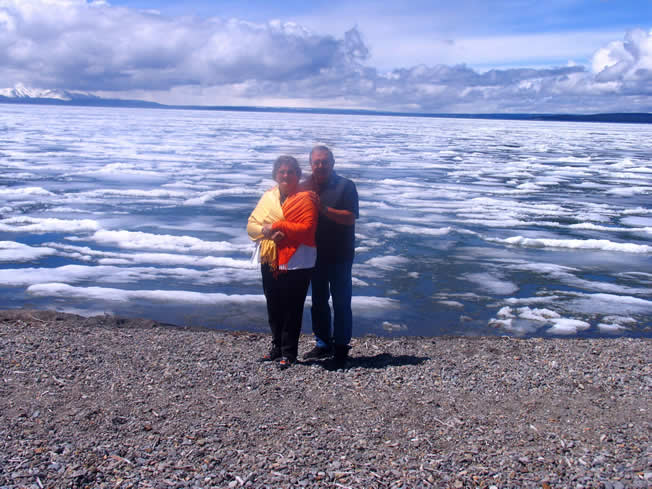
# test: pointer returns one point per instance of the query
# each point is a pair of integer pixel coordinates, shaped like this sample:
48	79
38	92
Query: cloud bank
123	52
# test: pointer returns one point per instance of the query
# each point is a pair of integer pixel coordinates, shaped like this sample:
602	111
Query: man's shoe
341	358
273	355
317	353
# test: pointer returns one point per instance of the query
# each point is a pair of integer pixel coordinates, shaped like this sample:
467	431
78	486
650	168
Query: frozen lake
474	227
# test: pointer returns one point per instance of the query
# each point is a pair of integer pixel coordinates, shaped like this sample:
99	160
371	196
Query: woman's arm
267	211
301	222
254	224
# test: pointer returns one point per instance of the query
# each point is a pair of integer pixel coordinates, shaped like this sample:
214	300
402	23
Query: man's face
321	166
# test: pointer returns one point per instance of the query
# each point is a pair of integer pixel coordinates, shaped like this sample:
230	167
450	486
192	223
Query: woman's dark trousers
285	294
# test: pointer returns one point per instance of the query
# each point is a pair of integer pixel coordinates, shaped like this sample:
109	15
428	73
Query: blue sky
426	56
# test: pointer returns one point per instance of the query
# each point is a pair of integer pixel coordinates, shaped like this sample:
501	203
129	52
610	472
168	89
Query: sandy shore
117	403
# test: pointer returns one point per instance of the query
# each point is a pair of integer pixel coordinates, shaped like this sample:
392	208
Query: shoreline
115	402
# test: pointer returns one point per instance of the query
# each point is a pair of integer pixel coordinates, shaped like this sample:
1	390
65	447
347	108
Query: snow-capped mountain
20	91
21	94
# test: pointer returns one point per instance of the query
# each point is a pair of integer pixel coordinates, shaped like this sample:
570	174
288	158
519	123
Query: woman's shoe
286	362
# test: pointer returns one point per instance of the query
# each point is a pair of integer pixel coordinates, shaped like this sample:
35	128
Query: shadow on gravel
380	361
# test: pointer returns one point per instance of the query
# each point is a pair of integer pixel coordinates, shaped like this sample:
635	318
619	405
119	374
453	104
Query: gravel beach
106	402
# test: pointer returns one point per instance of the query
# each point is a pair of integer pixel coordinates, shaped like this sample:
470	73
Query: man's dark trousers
332	280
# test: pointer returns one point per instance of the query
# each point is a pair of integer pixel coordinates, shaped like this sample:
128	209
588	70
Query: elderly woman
283	225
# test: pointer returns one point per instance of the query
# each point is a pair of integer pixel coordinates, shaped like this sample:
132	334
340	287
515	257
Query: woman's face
287	179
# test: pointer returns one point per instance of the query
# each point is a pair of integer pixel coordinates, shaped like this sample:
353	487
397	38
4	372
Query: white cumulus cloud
77	45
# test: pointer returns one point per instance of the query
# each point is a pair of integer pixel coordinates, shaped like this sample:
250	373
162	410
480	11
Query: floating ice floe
367	304
629	191
208	196
168	259
492	283
106	294
387	262
11	251
17	193
609	304
453	304
125	172
579	244
135	240
134	193
108	274
37	225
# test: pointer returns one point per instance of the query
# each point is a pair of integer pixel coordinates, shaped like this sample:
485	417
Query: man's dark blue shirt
336	242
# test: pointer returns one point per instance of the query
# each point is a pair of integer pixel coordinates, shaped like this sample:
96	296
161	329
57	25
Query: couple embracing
305	233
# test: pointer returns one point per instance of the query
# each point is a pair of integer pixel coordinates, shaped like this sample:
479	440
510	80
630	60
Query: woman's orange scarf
296	218
299	226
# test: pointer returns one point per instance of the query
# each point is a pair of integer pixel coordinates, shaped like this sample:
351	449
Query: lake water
473	227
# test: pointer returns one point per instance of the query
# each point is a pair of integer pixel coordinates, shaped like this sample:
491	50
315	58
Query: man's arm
348	199
340	216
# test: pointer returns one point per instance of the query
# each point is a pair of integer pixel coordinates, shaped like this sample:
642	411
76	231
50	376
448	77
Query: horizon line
623	117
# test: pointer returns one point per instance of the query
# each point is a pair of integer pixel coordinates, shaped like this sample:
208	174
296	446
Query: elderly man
335	239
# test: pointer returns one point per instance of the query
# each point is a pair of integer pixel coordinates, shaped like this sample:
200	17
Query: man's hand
315	199
340	216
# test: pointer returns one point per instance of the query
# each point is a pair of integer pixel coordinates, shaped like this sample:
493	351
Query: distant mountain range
23	95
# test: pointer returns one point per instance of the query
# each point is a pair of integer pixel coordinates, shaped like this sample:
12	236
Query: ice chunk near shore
524	320
541	315
505	312
612	328
565	326
393	328
514	325
615	324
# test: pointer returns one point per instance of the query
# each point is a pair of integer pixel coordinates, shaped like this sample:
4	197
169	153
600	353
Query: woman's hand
278	236
269	233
